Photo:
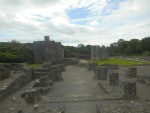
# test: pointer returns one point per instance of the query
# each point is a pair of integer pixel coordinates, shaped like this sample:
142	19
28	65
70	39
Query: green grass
33	65
119	62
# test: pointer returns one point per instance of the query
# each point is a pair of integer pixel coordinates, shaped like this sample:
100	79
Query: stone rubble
131	72
101	73
113	78
15	80
128	89
92	66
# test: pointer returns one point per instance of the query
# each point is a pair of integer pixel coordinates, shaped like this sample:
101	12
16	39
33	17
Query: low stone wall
12	84
40	74
53	72
70	61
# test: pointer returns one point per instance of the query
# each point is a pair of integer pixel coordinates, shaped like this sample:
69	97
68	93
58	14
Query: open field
120	62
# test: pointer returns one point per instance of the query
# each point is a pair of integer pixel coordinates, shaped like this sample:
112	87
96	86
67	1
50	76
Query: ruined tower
99	53
47	50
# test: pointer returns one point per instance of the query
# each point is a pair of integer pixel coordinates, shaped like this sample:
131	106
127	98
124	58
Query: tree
146	44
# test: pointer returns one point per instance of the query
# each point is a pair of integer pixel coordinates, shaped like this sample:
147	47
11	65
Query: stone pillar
131	72
46	38
113	78
92	66
59	76
103	73
128	89
97	72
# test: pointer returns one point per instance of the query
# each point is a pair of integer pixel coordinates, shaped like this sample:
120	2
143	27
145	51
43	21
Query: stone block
31	96
128	89
104	73
4	73
113	78
131	72
101	73
92	66
44	90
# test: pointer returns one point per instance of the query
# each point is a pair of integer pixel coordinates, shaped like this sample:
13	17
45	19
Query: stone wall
70	61
52	71
14	83
83	56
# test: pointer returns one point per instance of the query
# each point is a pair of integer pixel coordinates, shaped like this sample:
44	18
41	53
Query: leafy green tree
146	44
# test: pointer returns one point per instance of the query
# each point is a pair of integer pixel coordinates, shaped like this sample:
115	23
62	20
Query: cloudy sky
96	22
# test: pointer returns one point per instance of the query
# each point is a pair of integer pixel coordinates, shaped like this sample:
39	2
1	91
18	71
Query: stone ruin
110	73
101	73
83	56
47	51
92	66
43	81
52	71
13	76
70	61
4	73
143	78
99	53
113	78
111	66
128	89
41	87
131	72
44	78
31	96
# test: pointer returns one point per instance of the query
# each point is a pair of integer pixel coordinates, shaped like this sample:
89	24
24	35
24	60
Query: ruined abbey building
99	53
47	50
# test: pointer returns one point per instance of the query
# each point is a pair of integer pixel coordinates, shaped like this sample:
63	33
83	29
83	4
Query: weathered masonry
99	53
47	51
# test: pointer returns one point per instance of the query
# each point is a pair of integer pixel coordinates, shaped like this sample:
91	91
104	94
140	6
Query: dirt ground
77	93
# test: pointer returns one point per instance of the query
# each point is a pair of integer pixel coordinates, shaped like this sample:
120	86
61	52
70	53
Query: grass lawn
119	62
33	65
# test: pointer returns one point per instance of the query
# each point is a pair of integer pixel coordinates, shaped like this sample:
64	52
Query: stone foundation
113	79
70	61
131	72
128	89
111	66
101	73
92	66
12	84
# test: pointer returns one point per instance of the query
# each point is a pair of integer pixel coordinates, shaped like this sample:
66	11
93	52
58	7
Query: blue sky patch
80	13
112	5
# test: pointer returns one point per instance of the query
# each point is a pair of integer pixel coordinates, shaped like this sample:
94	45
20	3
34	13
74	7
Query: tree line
15	51
132	47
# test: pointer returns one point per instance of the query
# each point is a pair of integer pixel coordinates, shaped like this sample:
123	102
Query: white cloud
30	20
